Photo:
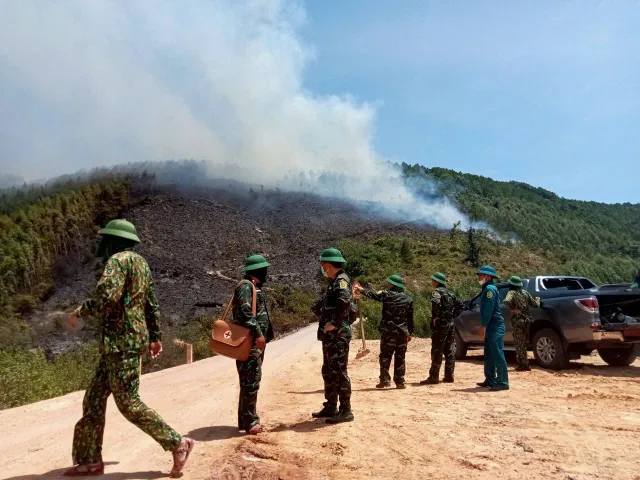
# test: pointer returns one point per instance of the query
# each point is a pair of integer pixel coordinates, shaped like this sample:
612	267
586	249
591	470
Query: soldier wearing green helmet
495	365
126	304
520	302
335	310
443	338
250	370
396	328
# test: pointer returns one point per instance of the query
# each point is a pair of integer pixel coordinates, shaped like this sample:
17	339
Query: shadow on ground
313	392
58	473
302	427
209	434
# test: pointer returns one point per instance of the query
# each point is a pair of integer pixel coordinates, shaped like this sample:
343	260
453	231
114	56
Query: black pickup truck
576	317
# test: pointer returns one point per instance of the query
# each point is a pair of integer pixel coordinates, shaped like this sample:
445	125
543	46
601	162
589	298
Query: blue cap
487	270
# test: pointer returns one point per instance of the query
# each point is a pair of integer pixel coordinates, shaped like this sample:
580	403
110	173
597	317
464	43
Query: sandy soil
582	423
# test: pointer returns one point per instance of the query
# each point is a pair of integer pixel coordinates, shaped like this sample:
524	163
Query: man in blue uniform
495	365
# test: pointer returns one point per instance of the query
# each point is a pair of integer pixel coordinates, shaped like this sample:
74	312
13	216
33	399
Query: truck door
469	323
506	313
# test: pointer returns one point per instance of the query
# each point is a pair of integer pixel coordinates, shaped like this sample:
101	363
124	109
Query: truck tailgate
630	330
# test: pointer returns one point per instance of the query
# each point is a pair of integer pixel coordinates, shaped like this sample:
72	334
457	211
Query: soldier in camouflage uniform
396	328
126	304
443	337
250	370
336	310
520	302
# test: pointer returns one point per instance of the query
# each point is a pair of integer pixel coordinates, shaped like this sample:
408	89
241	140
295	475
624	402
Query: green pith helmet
255	262
487	270
440	278
121	228
332	255
396	281
516	281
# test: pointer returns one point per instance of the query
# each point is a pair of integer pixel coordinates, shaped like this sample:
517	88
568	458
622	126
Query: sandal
180	456
256	429
88	470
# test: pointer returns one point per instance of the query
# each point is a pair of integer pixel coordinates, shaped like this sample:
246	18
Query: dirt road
583	423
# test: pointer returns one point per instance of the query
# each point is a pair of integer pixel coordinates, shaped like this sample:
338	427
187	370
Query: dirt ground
582	423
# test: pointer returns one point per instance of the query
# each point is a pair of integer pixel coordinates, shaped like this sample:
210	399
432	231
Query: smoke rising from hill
102	83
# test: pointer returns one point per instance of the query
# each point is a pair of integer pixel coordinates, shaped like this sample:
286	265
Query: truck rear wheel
461	347
549	350
618	357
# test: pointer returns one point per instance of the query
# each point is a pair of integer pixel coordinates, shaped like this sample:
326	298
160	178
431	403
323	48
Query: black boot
430	381
401	385
327	411
383	385
483	384
342	416
448	379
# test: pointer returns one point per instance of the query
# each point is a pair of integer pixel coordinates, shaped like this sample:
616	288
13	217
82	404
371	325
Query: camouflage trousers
335	359
117	374
392	346
443	342
250	374
521	341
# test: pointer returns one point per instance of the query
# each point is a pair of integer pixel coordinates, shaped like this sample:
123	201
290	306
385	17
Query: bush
290	308
27	376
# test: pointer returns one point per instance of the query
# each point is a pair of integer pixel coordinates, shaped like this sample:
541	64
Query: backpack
451	304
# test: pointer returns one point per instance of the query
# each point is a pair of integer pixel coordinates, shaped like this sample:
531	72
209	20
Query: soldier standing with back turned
396	328
126	304
335	309
520	302
443	339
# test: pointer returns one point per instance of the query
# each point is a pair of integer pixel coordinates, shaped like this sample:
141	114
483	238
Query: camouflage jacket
397	311
125	302
443	304
243	311
335	306
520	302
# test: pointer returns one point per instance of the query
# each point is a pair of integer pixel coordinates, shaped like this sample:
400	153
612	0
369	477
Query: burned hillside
196	240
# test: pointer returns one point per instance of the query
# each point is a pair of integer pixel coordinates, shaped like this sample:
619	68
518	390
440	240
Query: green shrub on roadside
26	376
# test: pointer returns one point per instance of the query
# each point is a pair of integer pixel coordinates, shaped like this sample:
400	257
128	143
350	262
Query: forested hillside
587	238
195	228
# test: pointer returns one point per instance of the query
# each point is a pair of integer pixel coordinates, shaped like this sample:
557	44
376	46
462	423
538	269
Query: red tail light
596	325
589	304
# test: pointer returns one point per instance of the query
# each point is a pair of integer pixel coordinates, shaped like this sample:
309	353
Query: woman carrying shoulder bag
248	291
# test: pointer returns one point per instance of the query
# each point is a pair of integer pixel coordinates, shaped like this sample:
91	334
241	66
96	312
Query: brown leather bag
231	340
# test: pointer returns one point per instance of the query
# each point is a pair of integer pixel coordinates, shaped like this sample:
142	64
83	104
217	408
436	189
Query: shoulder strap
254	303
228	307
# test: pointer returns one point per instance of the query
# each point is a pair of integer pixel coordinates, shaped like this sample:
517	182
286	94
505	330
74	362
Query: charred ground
196	240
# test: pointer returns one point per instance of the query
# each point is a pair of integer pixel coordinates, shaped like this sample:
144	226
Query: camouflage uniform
443	338
126	303
334	307
250	370
520	302
395	327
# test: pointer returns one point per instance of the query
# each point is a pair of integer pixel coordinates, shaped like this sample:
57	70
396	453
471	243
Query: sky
546	93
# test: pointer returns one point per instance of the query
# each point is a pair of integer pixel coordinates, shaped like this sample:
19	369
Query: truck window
503	293
566	283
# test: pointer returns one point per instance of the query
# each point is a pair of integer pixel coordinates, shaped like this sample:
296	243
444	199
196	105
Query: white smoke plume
103	83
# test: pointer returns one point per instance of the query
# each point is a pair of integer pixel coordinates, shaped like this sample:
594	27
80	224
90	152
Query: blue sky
542	92
546	93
